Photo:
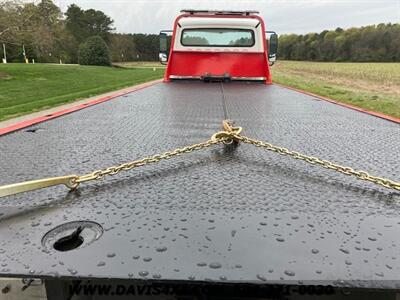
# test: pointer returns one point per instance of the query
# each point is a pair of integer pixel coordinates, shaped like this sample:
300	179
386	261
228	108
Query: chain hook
227	136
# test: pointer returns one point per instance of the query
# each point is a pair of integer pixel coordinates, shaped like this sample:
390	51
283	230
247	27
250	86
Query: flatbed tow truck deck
221	214
223	221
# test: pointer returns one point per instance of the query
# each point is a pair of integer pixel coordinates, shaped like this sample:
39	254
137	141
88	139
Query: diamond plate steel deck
245	215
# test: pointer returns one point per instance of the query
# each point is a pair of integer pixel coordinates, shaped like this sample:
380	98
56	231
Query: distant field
373	86
28	88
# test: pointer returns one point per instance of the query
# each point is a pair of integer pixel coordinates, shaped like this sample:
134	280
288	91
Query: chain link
147	160
228	136
323	163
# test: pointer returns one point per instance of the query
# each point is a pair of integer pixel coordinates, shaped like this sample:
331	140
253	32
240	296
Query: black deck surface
247	215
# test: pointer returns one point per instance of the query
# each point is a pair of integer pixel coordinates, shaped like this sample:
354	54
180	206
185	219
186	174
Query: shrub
94	52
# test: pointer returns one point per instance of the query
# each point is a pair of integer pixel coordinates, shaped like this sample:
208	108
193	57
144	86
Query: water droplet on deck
289	273
215	265
72	271
147	259
143	273
344	250
260	277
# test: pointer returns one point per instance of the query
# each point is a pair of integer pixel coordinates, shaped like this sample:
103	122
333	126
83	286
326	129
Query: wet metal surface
245	215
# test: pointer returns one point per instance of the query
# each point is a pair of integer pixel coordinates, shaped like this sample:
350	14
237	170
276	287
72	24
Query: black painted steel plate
245	215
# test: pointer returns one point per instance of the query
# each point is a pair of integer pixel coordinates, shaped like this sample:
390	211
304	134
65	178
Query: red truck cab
228	45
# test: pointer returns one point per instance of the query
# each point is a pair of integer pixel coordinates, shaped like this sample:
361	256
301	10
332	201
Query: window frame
219	46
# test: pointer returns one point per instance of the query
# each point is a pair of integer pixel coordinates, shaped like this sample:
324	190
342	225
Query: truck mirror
271	59
163	58
165	42
272	46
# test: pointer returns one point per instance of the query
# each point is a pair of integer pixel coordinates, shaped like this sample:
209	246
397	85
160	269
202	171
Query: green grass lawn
26	88
373	86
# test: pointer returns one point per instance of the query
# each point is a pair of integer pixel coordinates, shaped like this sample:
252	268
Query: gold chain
220	137
144	161
229	135
323	163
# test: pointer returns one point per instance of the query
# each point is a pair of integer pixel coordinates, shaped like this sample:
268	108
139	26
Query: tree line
44	33
374	43
41	31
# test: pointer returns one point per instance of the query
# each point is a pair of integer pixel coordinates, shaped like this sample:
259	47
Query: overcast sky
283	16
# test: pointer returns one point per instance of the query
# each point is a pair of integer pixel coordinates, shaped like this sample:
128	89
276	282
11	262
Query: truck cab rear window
218	37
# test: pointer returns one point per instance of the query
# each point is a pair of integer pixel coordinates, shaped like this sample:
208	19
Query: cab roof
212	22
